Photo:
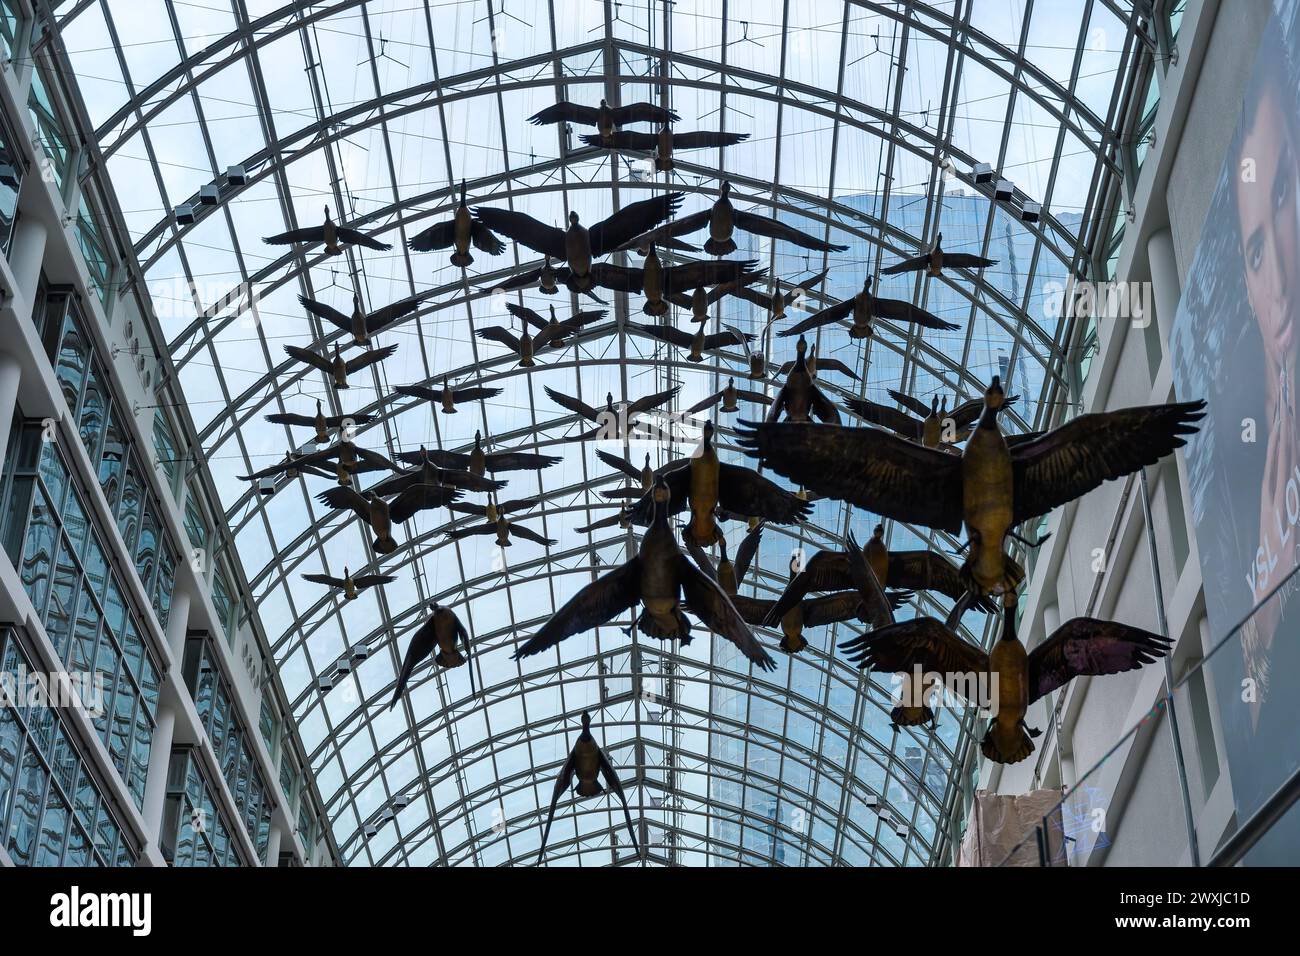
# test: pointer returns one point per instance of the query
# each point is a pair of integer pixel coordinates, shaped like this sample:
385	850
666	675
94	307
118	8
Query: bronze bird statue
459	232
292	467
696	343
777	301
479	462
991	487
815	364
552	334
334	236
935	260
424	470
722	219
729	396
370	508
439	636
345	456
547	278
496	522
1014	679
704	484
322	423
645	475
863	308
755	359
657	578
662	284
799	399
701	300
361	325
614	421
586	764
522	345
447	397
337	367
728	575
607	119
828	571
349	585
663	143
577	246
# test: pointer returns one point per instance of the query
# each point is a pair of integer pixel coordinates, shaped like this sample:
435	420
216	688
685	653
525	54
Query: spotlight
209	194
184	214
1004	190
266	486
236	175
982	173
1031	212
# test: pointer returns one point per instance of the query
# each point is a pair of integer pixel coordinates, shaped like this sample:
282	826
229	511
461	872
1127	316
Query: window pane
39	553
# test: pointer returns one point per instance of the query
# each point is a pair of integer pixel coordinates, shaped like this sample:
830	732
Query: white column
1165	285
11	374
26	256
273	848
178	621
160	755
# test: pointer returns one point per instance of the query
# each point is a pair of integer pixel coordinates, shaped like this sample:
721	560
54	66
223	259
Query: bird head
726	189
327	212
604	102
478	439
573	218
554	320
318	406
586	715
879	532
938	240
994	397
462	192
801	346
707	432
661	493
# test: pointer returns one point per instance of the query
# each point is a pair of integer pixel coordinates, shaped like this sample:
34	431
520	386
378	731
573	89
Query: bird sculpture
1012	678
586	764
663	143
799	399
322	423
829	571
614	421
935	260
657	577
552	334
703	484
577	246
447	397
334	237
338	368
863	308
370	508
607	119
361	325
439	636
478	461
729	396
459	232
496	522
776	302
694	343
678	284
991	487
349	585
722	219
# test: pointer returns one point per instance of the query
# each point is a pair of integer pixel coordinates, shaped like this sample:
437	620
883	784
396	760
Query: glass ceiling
866	121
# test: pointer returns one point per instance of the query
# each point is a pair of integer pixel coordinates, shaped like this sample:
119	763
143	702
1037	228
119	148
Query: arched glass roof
866	123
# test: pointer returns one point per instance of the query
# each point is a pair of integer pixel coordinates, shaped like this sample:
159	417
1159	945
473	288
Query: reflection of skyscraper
749	819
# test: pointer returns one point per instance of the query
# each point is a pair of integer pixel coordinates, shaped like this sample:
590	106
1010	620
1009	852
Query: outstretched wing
345	498
566	112
642	113
775	229
357	238
526	314
886	417
518	461
524	229
622	464
745	553
915	405
711	605
914	264
1077	457
841	310
438	236
308	356
528	534
622	139
1086	646
562	783
367	359
665	333
744	491
598	602
966	260
647	402
865	466
901	311
485	241
611	781
327	312
630	221
495	333
326	580
576	405
924	641
706	140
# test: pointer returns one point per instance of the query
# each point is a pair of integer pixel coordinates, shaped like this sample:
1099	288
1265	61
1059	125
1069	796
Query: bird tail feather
461	260
723	248
449	658
1006	746
912	716
385	545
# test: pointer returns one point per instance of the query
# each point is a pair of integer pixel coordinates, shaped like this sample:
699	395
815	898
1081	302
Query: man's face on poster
1266	210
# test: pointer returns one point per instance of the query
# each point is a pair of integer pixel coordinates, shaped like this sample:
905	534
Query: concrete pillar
26	256
1165	285
160	755
11	374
